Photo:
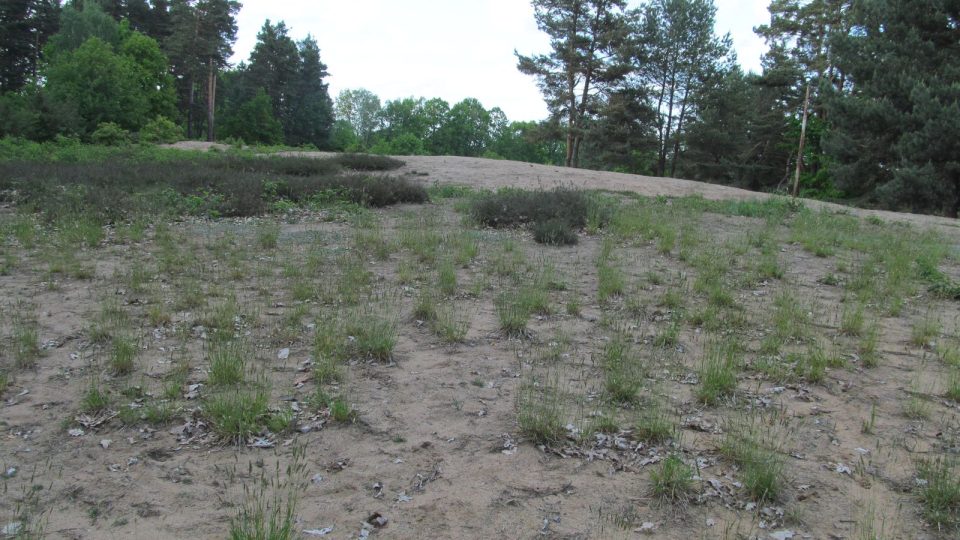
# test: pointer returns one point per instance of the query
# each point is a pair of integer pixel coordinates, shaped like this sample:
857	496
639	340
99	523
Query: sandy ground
436	449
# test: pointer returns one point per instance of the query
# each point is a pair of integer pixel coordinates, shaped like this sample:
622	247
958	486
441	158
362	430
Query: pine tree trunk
803	135
190	104
211	99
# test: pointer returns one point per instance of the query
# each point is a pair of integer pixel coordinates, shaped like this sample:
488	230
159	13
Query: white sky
452	49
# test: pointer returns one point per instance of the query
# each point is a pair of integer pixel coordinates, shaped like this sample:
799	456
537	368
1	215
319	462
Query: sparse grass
26	340
917	407
791	317
451	324
672	480
651	425
123	353
541	411
669	334
372	331
718	372
672	299
869	353
158	413
925	331
267	235
228	361
867	426
95	399
512	315
373	240
269	508
610	282
953	385
426	307
235	415
447	277
761	467
341	411
622	368
852	319
939	491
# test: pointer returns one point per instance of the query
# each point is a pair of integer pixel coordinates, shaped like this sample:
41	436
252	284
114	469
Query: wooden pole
803	135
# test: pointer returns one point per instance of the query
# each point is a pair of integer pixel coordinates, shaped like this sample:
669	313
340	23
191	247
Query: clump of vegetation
623	372
268	511
211	185
554	232
540	411
235	415
555	215
940	491
718	372
672	480
761	467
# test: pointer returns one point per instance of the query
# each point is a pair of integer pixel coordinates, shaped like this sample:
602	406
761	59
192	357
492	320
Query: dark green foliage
253	122
676	55
896	138
110	134
25	26
296	108
100	85
161	130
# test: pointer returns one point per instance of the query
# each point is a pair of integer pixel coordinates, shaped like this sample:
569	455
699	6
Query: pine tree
202	33
677	56
895	137
311	119
584	35
25	26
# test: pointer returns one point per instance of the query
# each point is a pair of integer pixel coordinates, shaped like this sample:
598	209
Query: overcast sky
450	49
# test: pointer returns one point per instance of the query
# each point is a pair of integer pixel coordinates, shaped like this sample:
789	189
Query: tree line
857	99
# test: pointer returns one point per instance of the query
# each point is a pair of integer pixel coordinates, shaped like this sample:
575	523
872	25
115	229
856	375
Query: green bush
110	134
161	130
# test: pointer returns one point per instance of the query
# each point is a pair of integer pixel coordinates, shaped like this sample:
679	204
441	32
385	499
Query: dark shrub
555	232
287	166
512	207
367	162
211	185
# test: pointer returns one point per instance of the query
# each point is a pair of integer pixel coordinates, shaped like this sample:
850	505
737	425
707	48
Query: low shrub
554	232
554	215
115	190
367	162
110	134
161	130
512	207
